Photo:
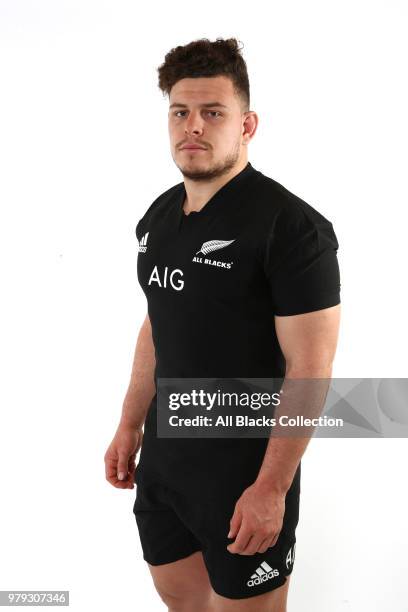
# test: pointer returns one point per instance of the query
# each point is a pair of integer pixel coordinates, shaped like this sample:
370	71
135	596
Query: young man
241	280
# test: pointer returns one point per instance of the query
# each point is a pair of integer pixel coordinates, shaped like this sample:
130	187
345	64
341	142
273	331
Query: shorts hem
246	595
172	558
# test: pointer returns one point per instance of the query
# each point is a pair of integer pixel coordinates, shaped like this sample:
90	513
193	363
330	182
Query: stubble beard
218	169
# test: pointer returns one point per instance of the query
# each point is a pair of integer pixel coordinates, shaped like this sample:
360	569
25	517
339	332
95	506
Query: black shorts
186	491
172	525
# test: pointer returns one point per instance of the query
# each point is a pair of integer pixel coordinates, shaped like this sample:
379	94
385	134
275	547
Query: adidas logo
142	243
263	573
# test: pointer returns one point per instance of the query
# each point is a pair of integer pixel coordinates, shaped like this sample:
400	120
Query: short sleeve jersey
215	279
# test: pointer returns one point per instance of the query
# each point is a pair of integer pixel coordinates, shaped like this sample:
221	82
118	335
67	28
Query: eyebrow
205	105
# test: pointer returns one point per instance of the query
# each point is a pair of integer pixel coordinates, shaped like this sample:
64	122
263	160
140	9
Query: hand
257	520
120	458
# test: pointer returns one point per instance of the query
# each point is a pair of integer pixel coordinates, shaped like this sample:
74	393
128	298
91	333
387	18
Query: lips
192	147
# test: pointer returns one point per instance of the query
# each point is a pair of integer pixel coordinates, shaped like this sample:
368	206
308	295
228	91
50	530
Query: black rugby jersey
214	280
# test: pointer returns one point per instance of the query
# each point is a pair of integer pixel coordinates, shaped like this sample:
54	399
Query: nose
194	124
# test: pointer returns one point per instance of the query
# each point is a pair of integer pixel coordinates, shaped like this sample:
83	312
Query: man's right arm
141	389
120	457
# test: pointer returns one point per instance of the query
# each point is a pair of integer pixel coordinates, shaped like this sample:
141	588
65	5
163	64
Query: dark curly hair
203	58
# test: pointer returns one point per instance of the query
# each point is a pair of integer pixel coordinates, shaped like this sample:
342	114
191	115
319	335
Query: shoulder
288	226
281	209
159	207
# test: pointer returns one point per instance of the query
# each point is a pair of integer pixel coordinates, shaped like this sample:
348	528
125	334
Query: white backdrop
83	152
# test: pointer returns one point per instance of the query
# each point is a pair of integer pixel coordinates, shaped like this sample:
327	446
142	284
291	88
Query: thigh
171	550
274	601
185	581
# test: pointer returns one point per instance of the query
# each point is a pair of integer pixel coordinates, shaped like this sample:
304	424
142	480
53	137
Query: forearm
284	450
141	387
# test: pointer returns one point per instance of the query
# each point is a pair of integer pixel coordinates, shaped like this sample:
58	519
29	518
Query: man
241	280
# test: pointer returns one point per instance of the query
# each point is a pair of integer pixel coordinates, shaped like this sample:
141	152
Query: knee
182	600
174	601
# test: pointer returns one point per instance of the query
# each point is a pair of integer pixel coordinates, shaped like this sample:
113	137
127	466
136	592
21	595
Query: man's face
205	111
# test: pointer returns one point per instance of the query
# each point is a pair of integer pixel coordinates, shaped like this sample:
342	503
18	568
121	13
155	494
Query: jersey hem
332	299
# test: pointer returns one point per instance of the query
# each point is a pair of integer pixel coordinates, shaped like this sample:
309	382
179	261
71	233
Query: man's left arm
308	342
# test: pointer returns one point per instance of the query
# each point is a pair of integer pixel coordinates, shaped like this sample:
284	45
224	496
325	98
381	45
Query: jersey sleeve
301	265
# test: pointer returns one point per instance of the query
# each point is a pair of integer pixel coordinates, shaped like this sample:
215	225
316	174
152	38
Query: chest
215	260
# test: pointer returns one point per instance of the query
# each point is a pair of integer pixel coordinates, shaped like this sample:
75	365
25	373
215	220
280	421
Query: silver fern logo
213	245
209	247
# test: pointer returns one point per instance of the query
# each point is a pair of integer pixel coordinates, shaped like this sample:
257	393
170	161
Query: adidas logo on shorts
263	573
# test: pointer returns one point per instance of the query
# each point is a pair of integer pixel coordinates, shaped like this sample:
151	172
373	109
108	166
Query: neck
198	193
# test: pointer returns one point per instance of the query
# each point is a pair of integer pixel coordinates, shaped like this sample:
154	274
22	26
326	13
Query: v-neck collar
213	204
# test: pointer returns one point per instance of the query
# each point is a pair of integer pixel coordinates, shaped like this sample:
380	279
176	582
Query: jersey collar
216	202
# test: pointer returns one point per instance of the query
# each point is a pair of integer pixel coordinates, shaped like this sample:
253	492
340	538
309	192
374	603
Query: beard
214	171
